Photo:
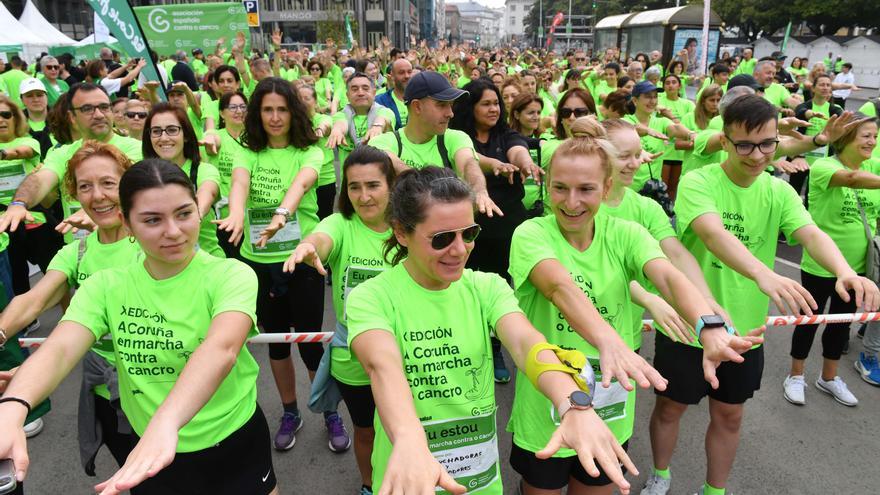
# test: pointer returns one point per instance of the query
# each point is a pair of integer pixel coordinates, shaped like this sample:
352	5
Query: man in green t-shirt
429	98
747	64
198	63
362	118
393	99
775	93
13	78
90	114
729	217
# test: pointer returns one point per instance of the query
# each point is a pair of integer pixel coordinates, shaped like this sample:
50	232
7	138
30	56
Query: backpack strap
399	144
444	153
80	253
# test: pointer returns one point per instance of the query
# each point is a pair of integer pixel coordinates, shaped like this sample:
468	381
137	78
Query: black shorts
240	463
555	473
682	365
359	401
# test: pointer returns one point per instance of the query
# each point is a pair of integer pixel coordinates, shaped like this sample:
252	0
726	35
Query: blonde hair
588	139
701	118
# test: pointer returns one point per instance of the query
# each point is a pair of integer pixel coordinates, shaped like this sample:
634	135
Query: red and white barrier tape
304	338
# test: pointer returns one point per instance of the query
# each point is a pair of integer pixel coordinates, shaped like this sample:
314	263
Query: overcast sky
489	3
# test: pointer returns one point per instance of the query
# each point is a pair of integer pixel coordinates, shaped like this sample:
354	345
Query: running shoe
837	389
365	490
501	373
793	389
656	485
33	428
846	347
861	331
286	436
339	439
868	368
31	328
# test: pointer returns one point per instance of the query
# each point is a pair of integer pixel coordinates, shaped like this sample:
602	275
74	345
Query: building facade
481	25
515	13
453	24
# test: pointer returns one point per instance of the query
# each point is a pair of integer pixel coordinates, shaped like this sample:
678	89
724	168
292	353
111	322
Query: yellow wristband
571	362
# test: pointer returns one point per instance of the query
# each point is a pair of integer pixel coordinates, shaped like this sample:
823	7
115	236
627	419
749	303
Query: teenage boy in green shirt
729	218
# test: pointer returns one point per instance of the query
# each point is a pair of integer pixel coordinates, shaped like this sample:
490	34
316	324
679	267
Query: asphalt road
820	448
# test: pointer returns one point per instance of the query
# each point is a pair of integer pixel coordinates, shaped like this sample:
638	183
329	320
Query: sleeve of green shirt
65	261
528	247
56	160
88	305
367	309
655	220
385	142
701	140
455	141
332	226
313	157
208	172
496	297
246	160
235	290
695	197
821	172
642	248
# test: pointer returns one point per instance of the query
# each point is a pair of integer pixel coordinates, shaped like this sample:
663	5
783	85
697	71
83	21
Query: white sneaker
31	328
793	389
656	485
33	428
837	389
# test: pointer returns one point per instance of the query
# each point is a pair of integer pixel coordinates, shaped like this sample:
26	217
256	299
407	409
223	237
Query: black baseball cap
778	55
430	84
744	80
645	87
197	51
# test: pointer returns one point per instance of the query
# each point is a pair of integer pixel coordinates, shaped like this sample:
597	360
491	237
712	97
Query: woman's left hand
76	221
153	452
278	221
617	360
586	433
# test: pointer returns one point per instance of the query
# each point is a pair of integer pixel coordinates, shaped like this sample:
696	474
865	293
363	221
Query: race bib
610	403
354	276
467	448
286	239
11	176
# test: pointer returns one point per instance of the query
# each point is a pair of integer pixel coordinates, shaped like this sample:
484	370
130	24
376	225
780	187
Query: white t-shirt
847	78
163	74
111	85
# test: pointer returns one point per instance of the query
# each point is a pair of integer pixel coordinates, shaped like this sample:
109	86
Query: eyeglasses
52	67
315	69
90	109
6	114
171	130
237	108
746	148
580	59
578	112
442	240
139	115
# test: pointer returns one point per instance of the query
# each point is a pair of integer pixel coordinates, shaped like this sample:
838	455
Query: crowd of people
457	201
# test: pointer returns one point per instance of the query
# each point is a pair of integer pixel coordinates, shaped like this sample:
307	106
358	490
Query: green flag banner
118	16
188	26
785	39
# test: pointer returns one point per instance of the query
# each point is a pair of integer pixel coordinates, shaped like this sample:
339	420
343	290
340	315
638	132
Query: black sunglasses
578	112
442	240
140	115
6	114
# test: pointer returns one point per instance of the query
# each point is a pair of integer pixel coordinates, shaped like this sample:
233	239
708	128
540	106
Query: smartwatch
577	400
710	321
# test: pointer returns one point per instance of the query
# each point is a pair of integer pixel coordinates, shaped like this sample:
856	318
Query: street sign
252	7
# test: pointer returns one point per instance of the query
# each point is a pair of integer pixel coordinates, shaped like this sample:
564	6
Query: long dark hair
190	141
150	173
463	108
223	104
363	155
300	135
411	197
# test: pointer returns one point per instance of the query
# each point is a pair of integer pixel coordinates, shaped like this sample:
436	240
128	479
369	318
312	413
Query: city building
432	19
515	13
453	24
481	25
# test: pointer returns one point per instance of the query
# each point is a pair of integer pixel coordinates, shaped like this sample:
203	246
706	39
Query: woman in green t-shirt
525	118
187	383
326	185
323	86
272	206
843	188
816	111
93	177
350	242
430	367
233	110
572	270
171	137
671	100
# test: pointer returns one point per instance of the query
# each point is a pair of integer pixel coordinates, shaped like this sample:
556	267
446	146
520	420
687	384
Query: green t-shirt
776	94
602	89
272	172
356	257
57	158
745	67
698	157
755	215
550	101
402	109
207	230
13	171
650	215
53	92
617	255
447	360
210	109
836	212
817	125
427	153
199	67
463	81
156	325
229	154
869	109
322	86
95	257
328	172
291	74
361	127
679	108
651	145
13	79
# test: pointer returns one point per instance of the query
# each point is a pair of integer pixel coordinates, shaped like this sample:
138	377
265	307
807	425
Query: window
513	21
513	8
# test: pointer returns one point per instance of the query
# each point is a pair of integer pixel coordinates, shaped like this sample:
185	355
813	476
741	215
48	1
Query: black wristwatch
709	321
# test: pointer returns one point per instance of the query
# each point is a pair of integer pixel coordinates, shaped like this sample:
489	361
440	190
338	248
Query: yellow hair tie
572	362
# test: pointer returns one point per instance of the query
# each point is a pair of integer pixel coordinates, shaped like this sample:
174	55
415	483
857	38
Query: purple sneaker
286	436
339	439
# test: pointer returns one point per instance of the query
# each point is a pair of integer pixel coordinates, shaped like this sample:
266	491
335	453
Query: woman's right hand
6	377
306	253
13	217
13	443
234	224
76	221
669	320
412	469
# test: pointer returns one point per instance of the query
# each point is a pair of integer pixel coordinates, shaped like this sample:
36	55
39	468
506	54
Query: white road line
791	264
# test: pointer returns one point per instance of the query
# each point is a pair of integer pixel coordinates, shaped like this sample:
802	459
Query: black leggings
38	245
326	194
119	444
285	299
835	335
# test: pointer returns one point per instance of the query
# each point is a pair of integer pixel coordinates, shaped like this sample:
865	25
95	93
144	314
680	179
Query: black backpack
441	147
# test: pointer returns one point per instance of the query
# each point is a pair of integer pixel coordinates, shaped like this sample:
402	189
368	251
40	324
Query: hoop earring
131	239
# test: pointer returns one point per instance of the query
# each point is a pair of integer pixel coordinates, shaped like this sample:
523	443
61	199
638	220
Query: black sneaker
860	333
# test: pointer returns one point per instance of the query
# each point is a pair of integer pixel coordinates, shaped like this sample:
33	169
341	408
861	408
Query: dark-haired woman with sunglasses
573	104
430	367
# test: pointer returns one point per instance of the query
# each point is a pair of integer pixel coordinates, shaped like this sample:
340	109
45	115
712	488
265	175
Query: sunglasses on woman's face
139	115
578	112
6	114
442	240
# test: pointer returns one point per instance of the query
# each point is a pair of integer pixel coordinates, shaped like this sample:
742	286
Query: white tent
33	20
14	32
90	40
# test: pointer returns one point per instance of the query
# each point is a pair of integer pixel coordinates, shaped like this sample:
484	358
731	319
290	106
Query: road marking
787	263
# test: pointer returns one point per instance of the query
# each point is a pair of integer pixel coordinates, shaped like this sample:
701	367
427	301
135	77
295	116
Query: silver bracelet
3	338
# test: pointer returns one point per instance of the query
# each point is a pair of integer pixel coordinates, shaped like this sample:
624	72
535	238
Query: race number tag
11	176
467	448
354	276
286	239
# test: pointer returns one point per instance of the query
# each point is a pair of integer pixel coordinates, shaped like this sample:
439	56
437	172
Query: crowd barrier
304	338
